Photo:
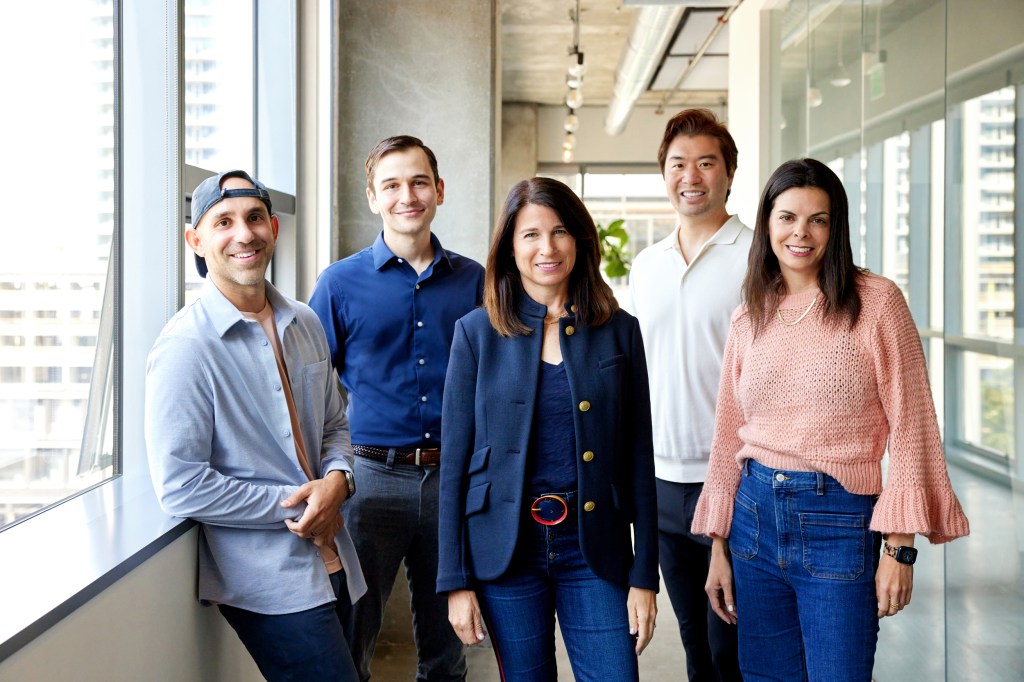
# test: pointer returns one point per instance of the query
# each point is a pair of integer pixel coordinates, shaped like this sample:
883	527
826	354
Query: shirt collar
382	255
225	315
727	234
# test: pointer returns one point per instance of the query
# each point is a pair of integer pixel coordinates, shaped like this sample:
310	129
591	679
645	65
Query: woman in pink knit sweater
823	371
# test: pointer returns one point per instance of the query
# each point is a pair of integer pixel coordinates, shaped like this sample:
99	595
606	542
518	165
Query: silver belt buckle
417	456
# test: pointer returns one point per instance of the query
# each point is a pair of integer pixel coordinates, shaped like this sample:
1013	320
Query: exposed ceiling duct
652	30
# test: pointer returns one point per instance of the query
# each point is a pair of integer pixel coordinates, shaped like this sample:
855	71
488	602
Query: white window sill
56	561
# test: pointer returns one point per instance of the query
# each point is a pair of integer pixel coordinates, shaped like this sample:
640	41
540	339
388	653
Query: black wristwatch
904	555
351	480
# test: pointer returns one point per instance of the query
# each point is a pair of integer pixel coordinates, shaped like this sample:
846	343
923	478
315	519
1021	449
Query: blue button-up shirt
221	449
390	333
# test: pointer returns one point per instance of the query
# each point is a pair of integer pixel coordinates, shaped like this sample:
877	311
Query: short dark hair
763	286
694	122
503	285
397	143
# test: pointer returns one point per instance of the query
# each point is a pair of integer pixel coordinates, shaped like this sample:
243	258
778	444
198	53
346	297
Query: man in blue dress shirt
246	434
389	312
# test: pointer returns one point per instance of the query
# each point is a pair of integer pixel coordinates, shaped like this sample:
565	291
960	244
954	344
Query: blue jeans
548	575
803	561
393	519
308	645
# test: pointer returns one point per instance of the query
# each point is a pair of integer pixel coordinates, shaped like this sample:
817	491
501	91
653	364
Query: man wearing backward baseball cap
246	434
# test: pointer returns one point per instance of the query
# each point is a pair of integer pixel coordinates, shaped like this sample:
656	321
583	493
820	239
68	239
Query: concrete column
518	148
427	69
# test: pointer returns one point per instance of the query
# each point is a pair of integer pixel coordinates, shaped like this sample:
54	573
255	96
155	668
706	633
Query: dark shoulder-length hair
763	286
503	285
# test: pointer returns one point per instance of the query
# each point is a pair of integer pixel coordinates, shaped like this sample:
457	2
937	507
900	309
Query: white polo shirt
684	314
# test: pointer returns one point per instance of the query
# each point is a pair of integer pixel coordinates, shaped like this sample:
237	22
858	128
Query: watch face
906	555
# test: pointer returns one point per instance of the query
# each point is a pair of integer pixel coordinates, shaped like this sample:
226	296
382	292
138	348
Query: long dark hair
503	285
763	287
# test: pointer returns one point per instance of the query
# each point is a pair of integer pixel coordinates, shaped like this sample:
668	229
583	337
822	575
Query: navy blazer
489	398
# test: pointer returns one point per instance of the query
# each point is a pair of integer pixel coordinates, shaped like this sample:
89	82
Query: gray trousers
393	519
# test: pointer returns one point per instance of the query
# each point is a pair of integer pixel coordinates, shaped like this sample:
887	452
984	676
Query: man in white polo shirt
684	290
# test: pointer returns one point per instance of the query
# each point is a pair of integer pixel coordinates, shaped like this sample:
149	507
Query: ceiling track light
572	122
573	98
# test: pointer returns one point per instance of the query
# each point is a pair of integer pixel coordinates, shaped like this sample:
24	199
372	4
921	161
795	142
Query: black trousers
710	643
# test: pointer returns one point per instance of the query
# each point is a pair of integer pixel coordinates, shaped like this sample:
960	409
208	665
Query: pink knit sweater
817	397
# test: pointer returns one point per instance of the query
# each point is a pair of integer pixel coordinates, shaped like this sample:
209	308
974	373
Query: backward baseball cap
209	193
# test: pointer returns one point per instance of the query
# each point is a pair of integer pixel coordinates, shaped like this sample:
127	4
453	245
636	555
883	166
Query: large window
919	118
56	279
634	195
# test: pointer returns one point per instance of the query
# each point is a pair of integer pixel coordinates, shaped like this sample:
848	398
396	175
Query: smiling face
799	226
405	193
696	179
544	251
236	237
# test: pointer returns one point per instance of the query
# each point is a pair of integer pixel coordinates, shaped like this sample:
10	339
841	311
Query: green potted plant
613	240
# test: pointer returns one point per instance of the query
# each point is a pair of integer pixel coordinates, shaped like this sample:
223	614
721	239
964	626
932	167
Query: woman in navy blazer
547	461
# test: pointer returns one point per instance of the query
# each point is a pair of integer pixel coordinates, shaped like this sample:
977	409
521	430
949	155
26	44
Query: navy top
390	333
551	467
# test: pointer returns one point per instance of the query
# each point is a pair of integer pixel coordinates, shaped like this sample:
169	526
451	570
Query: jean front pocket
833	545
745	531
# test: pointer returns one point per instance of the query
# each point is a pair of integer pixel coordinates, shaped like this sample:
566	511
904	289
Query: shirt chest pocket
310	405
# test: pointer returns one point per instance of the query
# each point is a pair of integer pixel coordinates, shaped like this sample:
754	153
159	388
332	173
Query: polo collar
728	233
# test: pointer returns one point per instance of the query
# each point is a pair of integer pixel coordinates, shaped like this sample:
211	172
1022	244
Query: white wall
146	626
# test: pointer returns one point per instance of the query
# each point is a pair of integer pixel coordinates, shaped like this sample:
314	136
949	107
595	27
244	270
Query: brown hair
397	143
503	284
694	122
763	286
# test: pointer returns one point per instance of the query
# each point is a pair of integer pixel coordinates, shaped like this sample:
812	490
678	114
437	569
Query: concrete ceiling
537	36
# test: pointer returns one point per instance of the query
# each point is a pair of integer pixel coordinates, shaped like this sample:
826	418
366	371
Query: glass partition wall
916	105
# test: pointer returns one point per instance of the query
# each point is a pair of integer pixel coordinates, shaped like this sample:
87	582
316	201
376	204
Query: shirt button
572	307
570	330
419	324
426	435
400	260
551	555
589	506
263	342
588	455
584	406
422	361
417	287
277	387
287	433
423	398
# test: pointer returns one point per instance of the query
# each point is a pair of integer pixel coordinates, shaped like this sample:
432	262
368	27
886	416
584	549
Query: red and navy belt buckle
549	510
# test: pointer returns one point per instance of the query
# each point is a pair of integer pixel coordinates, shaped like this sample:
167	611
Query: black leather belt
421	457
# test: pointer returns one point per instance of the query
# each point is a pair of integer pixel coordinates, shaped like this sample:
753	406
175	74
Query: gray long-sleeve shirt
221	451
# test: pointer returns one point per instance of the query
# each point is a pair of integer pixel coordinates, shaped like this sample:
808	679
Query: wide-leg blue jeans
804	561
549	575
